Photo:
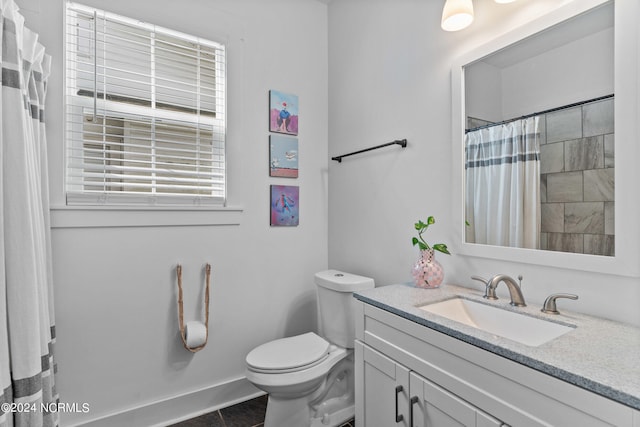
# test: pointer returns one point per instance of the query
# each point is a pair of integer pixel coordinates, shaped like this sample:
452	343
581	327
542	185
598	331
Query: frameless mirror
539	140
560	72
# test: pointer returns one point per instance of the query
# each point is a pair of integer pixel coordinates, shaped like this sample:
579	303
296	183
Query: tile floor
245	414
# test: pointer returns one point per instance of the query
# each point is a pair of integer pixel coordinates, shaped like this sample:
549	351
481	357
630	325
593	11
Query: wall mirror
539	169
535	125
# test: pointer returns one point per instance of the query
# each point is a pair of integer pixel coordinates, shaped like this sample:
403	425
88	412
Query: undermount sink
518	327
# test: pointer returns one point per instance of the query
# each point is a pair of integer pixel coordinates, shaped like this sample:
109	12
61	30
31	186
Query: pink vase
427	272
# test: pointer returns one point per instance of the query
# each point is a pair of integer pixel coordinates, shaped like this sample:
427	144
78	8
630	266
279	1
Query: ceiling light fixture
457	14
504	1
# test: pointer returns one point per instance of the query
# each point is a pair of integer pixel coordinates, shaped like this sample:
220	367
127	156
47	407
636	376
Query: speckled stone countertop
598	355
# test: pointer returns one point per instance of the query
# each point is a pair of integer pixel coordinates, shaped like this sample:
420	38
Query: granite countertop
599	355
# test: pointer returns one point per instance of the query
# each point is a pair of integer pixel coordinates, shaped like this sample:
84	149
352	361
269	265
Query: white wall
574	72
571	73
118	347
391	79
577	71
483	92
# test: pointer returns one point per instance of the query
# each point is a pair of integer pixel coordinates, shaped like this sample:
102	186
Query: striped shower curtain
27	333
502	191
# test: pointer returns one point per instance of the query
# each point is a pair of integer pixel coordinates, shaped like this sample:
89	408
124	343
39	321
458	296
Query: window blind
145	113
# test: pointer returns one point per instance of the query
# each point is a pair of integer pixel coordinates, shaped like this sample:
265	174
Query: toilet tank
336	305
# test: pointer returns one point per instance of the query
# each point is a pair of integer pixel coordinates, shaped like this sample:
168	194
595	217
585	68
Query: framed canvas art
285	205
283	112
284	156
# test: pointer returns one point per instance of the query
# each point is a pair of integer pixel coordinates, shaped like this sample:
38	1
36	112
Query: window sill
119	216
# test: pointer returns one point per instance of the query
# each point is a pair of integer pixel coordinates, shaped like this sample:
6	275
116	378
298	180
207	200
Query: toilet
309	377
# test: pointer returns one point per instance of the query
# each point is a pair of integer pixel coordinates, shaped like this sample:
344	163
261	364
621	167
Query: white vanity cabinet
435	406
394	395
454	383
385	401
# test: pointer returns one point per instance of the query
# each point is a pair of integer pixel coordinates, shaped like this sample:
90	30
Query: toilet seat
297	382
289	354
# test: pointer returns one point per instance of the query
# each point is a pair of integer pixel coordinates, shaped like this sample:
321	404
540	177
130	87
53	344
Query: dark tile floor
245	414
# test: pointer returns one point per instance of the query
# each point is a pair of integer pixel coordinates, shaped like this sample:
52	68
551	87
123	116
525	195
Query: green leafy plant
421	227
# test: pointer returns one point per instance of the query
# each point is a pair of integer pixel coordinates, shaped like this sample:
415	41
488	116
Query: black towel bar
401	142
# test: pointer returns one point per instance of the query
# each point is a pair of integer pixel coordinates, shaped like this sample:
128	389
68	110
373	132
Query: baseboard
177	408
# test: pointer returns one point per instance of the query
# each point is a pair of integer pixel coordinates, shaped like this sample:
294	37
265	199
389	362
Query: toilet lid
289	353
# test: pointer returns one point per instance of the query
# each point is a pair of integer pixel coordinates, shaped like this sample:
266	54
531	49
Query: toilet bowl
300	392
309	378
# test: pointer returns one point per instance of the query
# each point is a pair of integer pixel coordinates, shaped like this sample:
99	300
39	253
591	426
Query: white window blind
145	113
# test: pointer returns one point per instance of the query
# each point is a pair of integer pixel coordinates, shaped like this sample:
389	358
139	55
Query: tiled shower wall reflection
577	179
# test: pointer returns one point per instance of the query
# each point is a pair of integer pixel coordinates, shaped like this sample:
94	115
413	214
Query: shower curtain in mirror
502	192
27	333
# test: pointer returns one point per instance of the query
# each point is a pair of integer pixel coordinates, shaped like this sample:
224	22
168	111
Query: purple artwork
283	112
285	205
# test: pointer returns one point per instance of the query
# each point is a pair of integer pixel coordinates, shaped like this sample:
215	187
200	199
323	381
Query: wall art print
285	205
283	112
283	152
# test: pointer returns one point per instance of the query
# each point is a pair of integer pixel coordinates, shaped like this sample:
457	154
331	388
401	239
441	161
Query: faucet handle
549	305
480	279
489	292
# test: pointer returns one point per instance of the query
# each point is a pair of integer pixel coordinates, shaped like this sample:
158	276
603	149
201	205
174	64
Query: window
145	113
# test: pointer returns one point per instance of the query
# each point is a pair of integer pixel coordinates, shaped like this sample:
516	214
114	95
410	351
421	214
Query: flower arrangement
421	227
427	272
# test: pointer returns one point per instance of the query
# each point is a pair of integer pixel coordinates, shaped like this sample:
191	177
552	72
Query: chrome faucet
517	299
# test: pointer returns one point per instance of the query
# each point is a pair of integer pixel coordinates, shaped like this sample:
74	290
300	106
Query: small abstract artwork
283	112
285	205
284	156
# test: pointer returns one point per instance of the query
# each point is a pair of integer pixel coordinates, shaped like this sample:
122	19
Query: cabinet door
436	407
384	385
